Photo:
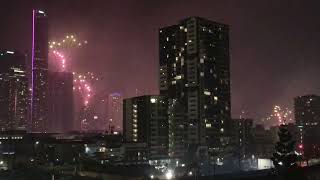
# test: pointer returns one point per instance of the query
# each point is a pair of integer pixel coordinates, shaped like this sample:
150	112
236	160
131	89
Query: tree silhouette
285	156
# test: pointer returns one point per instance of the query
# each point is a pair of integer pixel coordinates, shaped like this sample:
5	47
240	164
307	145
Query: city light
182	123
10	52
300	146
169	174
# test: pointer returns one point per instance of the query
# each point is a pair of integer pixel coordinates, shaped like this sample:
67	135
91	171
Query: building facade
146	121
307	116
114	113
39	75
13	91
242	135
194	74
263	142
60	102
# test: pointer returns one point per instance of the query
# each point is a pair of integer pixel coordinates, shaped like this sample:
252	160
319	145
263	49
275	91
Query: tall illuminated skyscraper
39	75
195	75
13	91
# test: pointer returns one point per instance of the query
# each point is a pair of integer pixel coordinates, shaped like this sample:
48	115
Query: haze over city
273	44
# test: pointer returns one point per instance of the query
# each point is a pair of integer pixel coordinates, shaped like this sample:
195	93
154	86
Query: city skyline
261	47
157	90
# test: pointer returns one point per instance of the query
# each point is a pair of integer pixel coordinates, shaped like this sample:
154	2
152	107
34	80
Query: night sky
274	44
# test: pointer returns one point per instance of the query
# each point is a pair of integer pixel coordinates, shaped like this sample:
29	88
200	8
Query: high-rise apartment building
39	68
146	121
115	112
307	116
13	91
60	102
242	135
194	75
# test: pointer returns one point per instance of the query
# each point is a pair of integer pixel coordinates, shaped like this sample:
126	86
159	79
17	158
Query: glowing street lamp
169	174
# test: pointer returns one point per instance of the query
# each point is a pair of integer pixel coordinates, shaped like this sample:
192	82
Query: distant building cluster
14	92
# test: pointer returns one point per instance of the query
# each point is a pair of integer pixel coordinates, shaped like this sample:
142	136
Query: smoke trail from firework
61	58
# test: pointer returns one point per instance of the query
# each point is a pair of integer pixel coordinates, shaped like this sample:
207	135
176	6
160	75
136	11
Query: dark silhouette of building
307	116
39	75
263	142
60	102
146	121
13	91
242	135
195	75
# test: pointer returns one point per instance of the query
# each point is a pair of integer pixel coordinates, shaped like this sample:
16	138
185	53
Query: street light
169	174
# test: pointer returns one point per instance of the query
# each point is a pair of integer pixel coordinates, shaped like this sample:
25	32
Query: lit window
222	130
208	125
173	82
208	93
201	61
215	98
167	38
178	77
201	74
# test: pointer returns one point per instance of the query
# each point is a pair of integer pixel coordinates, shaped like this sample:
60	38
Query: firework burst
70	41
64	49
82	84
280	115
